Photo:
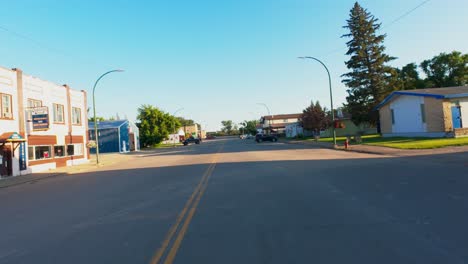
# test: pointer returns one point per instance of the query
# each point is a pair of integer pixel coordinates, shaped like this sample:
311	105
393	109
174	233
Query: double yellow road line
187	213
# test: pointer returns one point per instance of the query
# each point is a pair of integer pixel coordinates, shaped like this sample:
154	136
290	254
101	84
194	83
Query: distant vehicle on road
246	136
191	140
261	137
210	137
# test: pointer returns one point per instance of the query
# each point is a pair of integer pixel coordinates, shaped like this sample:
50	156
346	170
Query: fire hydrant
346	143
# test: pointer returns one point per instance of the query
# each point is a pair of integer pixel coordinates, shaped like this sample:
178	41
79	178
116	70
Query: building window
5	107
393	116
74	149
31	153
39	152
285	120
59	151
76	116
423	114
32	103
58	113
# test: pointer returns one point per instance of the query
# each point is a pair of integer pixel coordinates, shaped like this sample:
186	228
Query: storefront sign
14	136
40	121
40	118
22	156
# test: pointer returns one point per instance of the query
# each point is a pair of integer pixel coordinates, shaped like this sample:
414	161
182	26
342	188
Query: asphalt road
234	201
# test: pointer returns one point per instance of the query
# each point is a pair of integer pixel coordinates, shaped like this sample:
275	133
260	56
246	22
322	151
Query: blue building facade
116	136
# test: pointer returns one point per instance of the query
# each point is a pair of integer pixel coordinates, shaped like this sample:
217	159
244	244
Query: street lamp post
269	113
94	110
331	94
178	110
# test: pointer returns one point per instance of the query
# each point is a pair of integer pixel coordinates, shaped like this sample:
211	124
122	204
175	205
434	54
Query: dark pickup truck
191	140
261	137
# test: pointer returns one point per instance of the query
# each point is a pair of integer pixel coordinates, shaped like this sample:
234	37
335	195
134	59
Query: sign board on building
15	136
40	118
22	156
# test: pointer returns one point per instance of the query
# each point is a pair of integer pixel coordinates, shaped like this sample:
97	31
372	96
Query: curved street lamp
268	109
94	110
331	94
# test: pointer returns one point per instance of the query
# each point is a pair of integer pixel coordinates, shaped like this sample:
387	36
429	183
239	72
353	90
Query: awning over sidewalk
11	137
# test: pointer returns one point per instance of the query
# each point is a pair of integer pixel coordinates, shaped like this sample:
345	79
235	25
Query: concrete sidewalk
384	150
105	161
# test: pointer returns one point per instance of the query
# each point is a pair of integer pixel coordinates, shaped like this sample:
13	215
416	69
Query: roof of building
438	93
107	124
278	117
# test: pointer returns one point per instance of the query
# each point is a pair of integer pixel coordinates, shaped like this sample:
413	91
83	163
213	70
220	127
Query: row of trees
371	79
230	128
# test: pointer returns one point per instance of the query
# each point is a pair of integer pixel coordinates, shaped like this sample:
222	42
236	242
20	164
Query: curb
55	174
351	149
34	180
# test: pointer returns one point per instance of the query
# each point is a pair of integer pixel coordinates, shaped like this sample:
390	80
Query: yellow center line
199	190
172	253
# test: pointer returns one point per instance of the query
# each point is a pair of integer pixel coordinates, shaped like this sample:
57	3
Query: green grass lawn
167	145
405	143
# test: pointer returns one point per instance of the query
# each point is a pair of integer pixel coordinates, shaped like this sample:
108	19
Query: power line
407	13
35	42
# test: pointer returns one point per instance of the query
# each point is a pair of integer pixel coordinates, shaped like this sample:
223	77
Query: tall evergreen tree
369	79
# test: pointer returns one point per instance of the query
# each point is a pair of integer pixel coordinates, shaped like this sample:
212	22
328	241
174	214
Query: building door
6	166
131	139
456	117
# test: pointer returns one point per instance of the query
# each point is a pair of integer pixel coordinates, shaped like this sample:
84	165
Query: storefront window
59	151
70	150
31	153
42	152
74	149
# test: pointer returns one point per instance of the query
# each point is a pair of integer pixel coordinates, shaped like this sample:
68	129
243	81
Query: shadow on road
416	199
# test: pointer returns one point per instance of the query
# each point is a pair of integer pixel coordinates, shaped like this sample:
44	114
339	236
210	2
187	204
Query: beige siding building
436	112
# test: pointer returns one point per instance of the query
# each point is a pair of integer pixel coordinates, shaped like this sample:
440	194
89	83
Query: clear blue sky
217	59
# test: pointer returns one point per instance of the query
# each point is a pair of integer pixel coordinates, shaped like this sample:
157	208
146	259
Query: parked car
261	137
191	140
210	137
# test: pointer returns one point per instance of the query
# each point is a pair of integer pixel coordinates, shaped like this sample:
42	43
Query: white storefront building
42	125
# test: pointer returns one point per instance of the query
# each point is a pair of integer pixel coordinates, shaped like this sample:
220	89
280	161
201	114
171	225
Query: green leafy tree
369	75
446	69
98	118
185	122
250	127
155	125
409	77
227	126
315	118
